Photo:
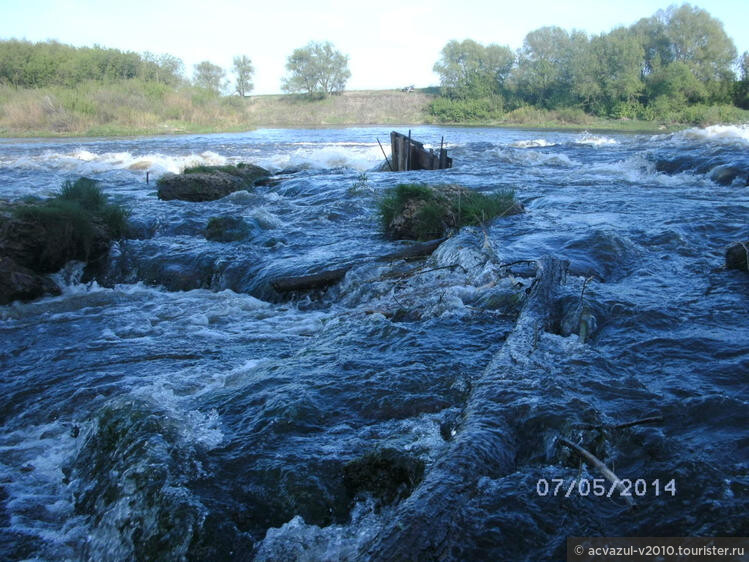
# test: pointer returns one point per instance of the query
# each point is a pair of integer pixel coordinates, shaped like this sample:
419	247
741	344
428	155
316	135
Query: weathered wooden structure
408	154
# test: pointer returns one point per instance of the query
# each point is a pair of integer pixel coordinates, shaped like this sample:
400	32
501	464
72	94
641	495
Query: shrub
449	110
527	114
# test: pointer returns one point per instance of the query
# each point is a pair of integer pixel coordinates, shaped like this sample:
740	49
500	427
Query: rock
208	183
389	475
20	283
45	247
737	256
227	229
726	175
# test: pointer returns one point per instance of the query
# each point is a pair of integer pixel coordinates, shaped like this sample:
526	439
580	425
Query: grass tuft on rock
76	224
422	212
227	169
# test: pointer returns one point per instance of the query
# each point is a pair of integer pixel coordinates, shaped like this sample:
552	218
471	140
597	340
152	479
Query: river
174	407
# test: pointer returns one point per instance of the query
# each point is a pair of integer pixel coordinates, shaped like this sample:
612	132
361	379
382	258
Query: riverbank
135	108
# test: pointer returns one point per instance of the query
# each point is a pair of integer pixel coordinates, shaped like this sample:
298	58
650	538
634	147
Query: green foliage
317	68
436	208
73	222
210	77
447	110
655	68
85	192
234	170
467	69
243	70
36	65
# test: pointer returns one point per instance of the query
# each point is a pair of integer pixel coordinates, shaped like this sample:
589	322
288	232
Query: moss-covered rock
41	236
422	212
227	229
208	183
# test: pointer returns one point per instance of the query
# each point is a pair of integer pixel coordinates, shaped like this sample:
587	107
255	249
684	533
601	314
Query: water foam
84	161
594	140
535	143
360	156
715	133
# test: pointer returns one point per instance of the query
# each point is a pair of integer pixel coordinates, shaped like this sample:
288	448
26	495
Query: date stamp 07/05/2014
600	487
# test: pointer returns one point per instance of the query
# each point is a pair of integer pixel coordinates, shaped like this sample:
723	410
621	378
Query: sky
389	44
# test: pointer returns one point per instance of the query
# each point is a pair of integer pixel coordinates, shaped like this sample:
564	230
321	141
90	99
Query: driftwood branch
598	464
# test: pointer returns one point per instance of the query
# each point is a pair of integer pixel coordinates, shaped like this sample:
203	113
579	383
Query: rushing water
174	407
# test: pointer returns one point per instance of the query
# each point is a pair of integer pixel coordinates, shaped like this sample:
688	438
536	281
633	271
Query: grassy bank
134	107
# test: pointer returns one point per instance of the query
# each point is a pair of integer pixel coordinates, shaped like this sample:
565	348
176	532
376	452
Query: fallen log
427	525
328	277
310	282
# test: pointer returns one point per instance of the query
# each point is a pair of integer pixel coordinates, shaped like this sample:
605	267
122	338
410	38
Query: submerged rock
737	256
227	229
208	183
20	283
389	475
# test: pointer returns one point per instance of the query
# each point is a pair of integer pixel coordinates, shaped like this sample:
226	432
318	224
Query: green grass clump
396	198
75	223
438	209
227	169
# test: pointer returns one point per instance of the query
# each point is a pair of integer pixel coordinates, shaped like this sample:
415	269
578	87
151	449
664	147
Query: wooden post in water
408	156
147	177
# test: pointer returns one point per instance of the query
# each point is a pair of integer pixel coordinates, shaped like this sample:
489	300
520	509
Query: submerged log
328	277
427	525
408	154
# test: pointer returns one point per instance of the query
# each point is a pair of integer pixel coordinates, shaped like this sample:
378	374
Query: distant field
382	107
137	108
131	107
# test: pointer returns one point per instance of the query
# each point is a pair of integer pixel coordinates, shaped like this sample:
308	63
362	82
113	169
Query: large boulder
46	246
20	283
208	183
737	256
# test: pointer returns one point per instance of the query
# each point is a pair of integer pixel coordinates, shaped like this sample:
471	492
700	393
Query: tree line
317	68
677	57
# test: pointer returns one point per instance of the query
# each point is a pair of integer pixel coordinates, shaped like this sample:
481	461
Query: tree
317	68
689	35
166	69
699	41
467	69
621	56
541	76
244	70
209	76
